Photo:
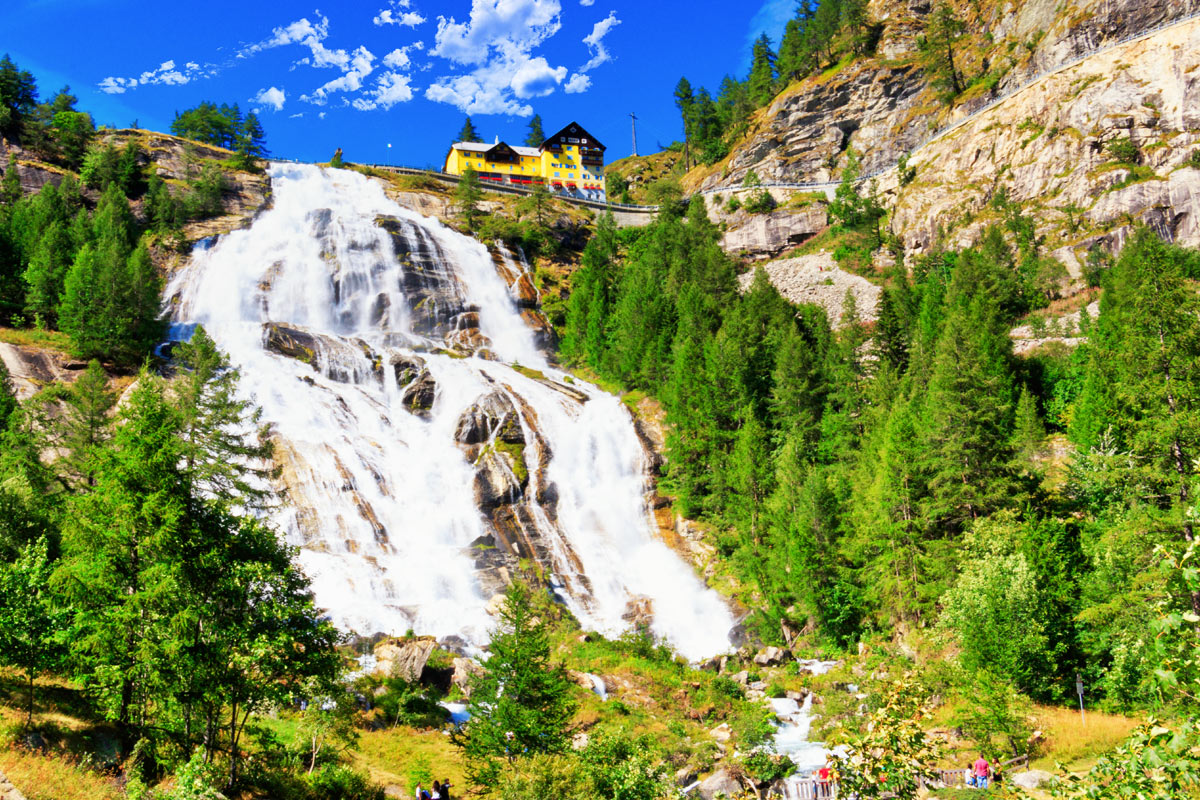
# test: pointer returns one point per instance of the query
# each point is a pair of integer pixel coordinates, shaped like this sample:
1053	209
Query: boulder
765	235
407	368
8	791
420	394
492	415
404	658
1031	779
579	741
464	670
771	656
719	783
722	733
291	342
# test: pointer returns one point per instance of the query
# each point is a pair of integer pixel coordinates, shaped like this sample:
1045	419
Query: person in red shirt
983	771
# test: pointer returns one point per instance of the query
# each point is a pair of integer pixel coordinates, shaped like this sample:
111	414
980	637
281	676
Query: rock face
32	368
817	279
404	658
768	235
1046	145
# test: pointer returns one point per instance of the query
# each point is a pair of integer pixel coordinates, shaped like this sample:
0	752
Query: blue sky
366	75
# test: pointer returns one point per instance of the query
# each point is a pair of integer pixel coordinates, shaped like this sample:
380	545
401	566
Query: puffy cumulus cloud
497	40
360	64
270	97
595	42
399	13
389	89
400	58
578	84
166	74
505	26
536	78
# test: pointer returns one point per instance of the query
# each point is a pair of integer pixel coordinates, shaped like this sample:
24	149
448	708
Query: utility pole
633	121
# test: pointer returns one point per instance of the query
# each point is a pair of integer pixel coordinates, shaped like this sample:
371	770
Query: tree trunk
29	720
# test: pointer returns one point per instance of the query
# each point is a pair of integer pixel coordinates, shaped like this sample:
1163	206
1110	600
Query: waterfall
424	442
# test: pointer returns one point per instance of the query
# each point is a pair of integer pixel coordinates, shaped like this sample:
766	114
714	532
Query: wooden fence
814	789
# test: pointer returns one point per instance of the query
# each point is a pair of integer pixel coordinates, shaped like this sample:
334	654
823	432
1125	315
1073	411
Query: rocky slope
1047	144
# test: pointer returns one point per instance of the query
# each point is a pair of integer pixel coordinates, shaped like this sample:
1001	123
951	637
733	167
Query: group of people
439	791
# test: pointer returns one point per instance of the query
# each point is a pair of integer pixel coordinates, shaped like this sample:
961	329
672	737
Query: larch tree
536	136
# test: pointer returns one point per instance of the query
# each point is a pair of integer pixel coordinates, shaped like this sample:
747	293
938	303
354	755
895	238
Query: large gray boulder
404	658
719	784
1030	779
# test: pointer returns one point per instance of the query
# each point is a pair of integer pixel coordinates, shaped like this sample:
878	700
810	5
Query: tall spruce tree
938	46
536	136
761	81
468	133
521	702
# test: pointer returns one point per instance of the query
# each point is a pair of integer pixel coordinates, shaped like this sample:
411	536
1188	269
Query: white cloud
297	115
360	64
398	58
586	3
507	26
166	74
396	15
497	41
270	97
595	42
391	88
579	83
536	78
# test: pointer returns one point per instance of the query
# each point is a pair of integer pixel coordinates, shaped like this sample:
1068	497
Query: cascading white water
380	499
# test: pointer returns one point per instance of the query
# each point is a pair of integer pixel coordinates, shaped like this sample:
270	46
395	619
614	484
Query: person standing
983	771
445	789
436	793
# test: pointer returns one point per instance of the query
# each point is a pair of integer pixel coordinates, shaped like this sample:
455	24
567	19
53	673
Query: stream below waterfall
425	444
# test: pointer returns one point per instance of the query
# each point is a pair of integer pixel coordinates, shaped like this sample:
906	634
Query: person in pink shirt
982	771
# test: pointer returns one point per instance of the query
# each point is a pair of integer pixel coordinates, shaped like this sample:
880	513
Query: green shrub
728	687
340	782
1123	151
734	203
760	202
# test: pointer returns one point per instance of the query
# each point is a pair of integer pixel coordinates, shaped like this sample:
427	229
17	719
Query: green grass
388	755
36	337
55	777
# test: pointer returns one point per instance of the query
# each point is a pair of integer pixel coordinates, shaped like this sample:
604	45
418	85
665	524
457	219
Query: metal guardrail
991	104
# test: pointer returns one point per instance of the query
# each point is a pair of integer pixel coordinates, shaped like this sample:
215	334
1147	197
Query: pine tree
82	315
751	476
857	22
536	136
762	72
1028	432
45	273
31	623
10	186
521	703
969	410
684	101
221	458
943	32
468	133
798	390
467	196
18	98
85	425
822	30
1147	341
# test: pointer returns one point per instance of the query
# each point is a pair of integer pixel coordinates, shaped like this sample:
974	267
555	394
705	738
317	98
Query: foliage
31	624
520	704
536	135
223	126
896	753
467	195
938	46
468	132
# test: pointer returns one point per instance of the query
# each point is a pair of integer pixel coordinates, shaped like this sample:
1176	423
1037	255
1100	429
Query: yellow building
571	162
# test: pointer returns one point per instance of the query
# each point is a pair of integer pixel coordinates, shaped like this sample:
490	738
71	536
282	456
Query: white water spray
379	499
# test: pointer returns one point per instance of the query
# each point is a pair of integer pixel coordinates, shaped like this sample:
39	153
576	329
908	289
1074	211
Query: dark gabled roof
572	131
501	149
